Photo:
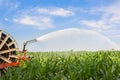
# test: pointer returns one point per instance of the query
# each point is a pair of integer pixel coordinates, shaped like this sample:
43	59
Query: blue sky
28	19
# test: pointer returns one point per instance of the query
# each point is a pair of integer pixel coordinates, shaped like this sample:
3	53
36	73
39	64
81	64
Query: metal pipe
28	42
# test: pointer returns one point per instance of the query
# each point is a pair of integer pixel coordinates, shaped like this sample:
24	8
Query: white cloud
118	36
9	4
112	14
12	5
95	24
6	19
56	11
41	18
109	17
35	21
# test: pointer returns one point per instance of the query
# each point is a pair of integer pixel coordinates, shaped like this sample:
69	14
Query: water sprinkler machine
9	51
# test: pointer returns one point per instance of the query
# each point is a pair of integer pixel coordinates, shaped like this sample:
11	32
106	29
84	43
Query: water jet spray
73	38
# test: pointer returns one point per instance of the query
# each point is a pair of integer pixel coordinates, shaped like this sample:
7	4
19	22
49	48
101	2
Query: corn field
71	65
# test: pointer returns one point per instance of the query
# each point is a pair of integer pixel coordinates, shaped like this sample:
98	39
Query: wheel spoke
1	33
5	59
3	42
10	50
13	56
11	43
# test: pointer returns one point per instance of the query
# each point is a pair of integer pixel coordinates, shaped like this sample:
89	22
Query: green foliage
100	65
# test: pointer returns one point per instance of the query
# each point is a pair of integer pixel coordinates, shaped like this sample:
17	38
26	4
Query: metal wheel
8	48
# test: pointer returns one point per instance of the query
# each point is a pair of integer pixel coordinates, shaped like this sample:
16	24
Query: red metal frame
23	57
2	66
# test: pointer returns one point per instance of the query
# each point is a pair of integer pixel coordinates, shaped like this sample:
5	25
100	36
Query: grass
100	65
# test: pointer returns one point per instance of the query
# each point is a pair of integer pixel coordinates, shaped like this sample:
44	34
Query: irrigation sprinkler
9	52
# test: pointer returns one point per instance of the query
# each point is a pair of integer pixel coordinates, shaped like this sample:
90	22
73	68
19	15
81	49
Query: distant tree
113	49
71	50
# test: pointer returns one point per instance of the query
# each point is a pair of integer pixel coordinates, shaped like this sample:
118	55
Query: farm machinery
9	52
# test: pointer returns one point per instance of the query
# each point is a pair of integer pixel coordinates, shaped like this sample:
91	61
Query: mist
72	39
